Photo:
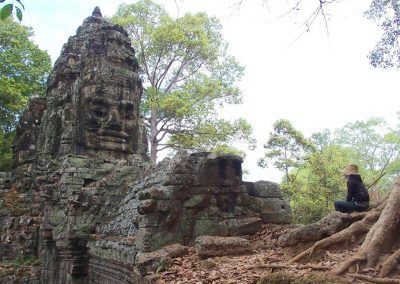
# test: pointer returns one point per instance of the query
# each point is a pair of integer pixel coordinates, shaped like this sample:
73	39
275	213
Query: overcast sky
316	81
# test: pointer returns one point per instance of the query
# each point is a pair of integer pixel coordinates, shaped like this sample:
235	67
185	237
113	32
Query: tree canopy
188	77
312	167
286	148
23	72
387	50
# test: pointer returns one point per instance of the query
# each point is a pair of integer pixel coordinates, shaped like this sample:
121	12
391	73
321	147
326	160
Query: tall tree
321	183
187	77
285	149
23	72
374	144
370	144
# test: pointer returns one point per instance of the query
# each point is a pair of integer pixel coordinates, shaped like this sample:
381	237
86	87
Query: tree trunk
382	234
153	137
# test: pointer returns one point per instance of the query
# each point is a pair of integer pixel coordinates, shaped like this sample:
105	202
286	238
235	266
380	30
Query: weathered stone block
150	262
276	217
212	246
182	179
195	190
273	204
210	227
157	192
197	201
251	203
76	161
267	189
147	206
274	210
149	220
164	206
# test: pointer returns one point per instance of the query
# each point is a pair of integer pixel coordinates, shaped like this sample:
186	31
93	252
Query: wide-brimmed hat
350	169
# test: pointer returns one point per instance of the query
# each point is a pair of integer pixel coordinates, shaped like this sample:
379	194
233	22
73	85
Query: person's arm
351	188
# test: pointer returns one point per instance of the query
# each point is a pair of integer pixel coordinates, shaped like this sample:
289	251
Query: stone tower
93	95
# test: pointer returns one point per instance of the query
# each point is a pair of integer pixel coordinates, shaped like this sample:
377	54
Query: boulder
160	259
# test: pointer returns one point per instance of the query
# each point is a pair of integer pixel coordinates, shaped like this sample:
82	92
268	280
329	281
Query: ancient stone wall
20	202
5	186
186	197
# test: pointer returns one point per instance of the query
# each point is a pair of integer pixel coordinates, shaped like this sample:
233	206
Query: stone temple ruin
82	194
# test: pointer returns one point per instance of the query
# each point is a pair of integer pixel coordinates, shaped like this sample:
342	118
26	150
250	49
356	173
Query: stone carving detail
93	94
27	133
84	197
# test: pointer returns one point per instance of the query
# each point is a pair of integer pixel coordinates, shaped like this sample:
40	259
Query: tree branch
162	76
173	81
165	147
156	65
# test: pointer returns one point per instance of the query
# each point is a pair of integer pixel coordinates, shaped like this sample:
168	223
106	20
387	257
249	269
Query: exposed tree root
389	264
327	226
375	279
356	228
315	267
299	267
381	236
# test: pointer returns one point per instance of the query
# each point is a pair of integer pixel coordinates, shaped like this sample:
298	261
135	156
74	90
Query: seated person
357	195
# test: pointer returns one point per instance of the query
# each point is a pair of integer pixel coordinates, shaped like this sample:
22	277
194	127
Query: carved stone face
108	119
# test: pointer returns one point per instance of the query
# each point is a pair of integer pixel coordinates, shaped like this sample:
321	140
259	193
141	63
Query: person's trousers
348	207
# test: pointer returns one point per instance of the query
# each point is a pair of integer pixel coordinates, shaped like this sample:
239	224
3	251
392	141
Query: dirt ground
267	264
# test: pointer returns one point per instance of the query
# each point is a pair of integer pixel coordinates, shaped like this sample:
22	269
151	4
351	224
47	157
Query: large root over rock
382	228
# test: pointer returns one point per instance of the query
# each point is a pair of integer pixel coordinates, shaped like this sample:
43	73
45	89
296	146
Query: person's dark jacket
356	190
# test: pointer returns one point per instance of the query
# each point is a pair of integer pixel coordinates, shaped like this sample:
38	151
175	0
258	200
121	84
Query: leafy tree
6	154
187	76
322	183
387	15
286	150
23	72
375	146
319	182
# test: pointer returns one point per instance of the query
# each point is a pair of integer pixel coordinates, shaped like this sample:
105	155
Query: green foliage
22	261
375	147
321	183
7	10
387	15
313	167
19	265
187	75
286	149
23	72
6	140
227	149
